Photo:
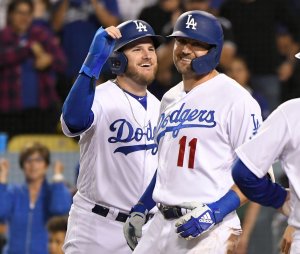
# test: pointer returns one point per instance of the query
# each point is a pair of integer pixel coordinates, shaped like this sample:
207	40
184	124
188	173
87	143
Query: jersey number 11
192	145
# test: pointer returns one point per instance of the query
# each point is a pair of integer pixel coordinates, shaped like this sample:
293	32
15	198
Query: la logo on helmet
140	26
191	22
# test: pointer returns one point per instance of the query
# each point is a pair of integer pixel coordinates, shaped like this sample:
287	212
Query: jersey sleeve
243	121
97	110
267	146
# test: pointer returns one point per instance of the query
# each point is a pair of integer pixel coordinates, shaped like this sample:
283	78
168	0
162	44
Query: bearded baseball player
277	139
116	122
202	121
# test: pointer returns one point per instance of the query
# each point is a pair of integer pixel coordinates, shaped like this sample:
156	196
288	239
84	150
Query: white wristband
58	177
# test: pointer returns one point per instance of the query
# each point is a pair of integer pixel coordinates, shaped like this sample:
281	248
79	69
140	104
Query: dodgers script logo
140	26
184	118
191	22
125	133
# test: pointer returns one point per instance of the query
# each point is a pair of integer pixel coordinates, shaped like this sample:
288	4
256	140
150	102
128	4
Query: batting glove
132	228
100	49
200	220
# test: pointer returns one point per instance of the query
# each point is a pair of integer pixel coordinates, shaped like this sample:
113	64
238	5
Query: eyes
196	45
138	49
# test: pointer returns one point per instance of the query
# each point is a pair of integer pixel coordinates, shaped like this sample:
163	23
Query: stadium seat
55	143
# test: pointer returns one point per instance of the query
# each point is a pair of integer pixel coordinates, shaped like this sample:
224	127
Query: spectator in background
27	208
130	9
229	47
289	69
30	57
76	22
3	7
162	15
57	228
42	13
254	25
215	6
238	70
2	236
167	74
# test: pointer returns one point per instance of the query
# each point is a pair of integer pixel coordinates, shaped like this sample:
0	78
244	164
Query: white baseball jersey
197	134
278	139
118	155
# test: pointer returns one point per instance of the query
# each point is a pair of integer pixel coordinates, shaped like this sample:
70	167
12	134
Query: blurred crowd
44	42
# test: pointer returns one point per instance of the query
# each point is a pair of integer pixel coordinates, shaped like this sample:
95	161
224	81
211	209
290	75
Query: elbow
3	214
61	207
71	118
238	173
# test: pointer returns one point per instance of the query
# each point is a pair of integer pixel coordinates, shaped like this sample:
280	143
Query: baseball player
116	123
277	139
202	121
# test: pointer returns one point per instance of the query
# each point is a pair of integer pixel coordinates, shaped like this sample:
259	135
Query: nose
146	54
186	48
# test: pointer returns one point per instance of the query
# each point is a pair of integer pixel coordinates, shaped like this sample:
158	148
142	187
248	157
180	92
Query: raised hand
58	169
4	170
100	49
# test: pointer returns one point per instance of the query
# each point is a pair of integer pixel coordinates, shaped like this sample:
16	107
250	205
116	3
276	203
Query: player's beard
141	78
184	69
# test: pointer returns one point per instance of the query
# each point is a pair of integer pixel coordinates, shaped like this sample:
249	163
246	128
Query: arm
47	52
60	199
77	109
13	55
104	16
133	227
146	202
247	226
6	201
232	200
59	14
53	48
287	239
202	217
259	190
60	196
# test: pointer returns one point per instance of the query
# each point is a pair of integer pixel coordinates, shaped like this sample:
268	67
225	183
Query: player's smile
185	60
146	66
185	50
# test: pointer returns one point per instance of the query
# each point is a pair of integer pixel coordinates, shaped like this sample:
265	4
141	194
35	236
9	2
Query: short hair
57	224
32	148
15	3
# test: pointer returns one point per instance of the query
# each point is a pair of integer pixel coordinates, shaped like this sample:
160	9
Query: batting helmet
131	31
203	27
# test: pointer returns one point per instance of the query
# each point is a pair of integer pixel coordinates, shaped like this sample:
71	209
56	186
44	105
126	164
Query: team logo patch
140	26
190	23
256	124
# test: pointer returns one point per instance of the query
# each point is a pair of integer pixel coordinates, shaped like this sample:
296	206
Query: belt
122	217
170	212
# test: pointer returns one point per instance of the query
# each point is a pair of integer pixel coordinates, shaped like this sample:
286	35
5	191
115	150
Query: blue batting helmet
131	31
204	27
